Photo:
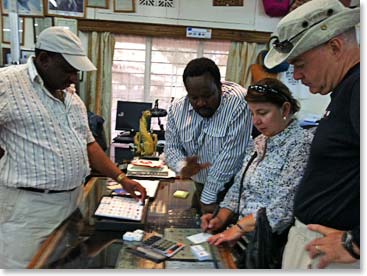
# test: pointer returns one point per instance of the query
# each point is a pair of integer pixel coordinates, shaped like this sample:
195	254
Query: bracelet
120	177
348	244
241	228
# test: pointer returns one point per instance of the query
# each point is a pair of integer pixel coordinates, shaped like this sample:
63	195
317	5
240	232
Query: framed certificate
6	30
102	4
25	7
69	23
124	5
72	8
39	24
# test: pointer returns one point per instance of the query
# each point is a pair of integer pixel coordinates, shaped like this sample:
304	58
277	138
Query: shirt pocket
215	139
189	143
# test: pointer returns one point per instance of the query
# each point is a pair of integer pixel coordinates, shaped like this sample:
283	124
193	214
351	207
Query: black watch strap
348	244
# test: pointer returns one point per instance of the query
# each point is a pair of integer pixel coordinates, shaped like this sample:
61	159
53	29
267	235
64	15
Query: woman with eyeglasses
272	168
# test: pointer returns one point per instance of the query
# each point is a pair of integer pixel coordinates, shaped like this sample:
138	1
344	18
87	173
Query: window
146	69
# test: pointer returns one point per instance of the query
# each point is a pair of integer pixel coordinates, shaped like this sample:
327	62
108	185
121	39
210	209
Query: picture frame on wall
124	5
102	4
25	7
6	30
39	24
68	23
72	8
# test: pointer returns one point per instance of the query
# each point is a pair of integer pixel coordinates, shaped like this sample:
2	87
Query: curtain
241	55
98	91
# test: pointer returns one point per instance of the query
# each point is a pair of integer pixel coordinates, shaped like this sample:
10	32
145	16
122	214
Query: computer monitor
128	115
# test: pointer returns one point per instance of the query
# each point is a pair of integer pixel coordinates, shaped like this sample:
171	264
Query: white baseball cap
63	41
309	26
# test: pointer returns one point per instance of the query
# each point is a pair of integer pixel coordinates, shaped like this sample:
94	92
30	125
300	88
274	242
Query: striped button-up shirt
220	139
45	140
273	177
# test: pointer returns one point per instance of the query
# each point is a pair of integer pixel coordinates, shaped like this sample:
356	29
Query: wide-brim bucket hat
309	26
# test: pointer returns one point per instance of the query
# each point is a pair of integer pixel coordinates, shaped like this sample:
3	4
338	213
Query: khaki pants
27	219
296	257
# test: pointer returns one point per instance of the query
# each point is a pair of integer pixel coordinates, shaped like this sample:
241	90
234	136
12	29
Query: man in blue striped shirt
207	132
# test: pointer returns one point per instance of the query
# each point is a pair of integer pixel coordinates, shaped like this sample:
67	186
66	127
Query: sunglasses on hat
286	46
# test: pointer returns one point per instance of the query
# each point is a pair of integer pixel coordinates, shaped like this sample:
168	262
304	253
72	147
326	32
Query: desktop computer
128	116
121	152
127	121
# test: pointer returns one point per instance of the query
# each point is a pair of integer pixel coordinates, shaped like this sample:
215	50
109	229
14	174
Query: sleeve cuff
208	197
180	165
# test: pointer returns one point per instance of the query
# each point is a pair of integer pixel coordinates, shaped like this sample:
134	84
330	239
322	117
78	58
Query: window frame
148	42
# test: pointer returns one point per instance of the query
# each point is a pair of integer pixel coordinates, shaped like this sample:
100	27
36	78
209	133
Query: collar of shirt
32	71
35	77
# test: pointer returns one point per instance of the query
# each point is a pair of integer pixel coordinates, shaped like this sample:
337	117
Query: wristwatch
348	244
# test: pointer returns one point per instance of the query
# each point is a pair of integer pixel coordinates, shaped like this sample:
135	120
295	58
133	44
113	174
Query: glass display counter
77	244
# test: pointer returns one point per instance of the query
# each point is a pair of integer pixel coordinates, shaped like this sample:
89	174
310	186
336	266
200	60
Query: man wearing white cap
319	39
46	147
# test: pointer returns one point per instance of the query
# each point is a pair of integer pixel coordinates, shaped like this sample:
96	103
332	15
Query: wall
197	13
312	106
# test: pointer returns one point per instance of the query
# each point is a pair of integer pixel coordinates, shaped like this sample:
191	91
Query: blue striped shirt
45	140
220	139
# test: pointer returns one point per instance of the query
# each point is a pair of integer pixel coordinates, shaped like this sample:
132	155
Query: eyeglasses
265	89
286	46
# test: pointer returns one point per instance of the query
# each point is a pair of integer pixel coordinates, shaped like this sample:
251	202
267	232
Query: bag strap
242	178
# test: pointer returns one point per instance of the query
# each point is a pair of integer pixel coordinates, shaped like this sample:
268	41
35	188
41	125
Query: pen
215	213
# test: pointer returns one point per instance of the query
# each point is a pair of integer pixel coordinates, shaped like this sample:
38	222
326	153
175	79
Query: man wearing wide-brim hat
319	40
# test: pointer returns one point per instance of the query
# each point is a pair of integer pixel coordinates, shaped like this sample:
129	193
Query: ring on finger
317	247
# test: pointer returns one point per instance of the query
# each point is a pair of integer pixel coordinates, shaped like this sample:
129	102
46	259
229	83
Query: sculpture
145	142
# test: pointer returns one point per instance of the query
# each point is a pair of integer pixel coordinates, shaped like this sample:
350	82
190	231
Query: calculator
163	246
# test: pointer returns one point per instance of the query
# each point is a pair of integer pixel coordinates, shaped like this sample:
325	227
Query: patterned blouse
272	178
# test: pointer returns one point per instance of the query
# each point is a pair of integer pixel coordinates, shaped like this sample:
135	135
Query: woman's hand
230	236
